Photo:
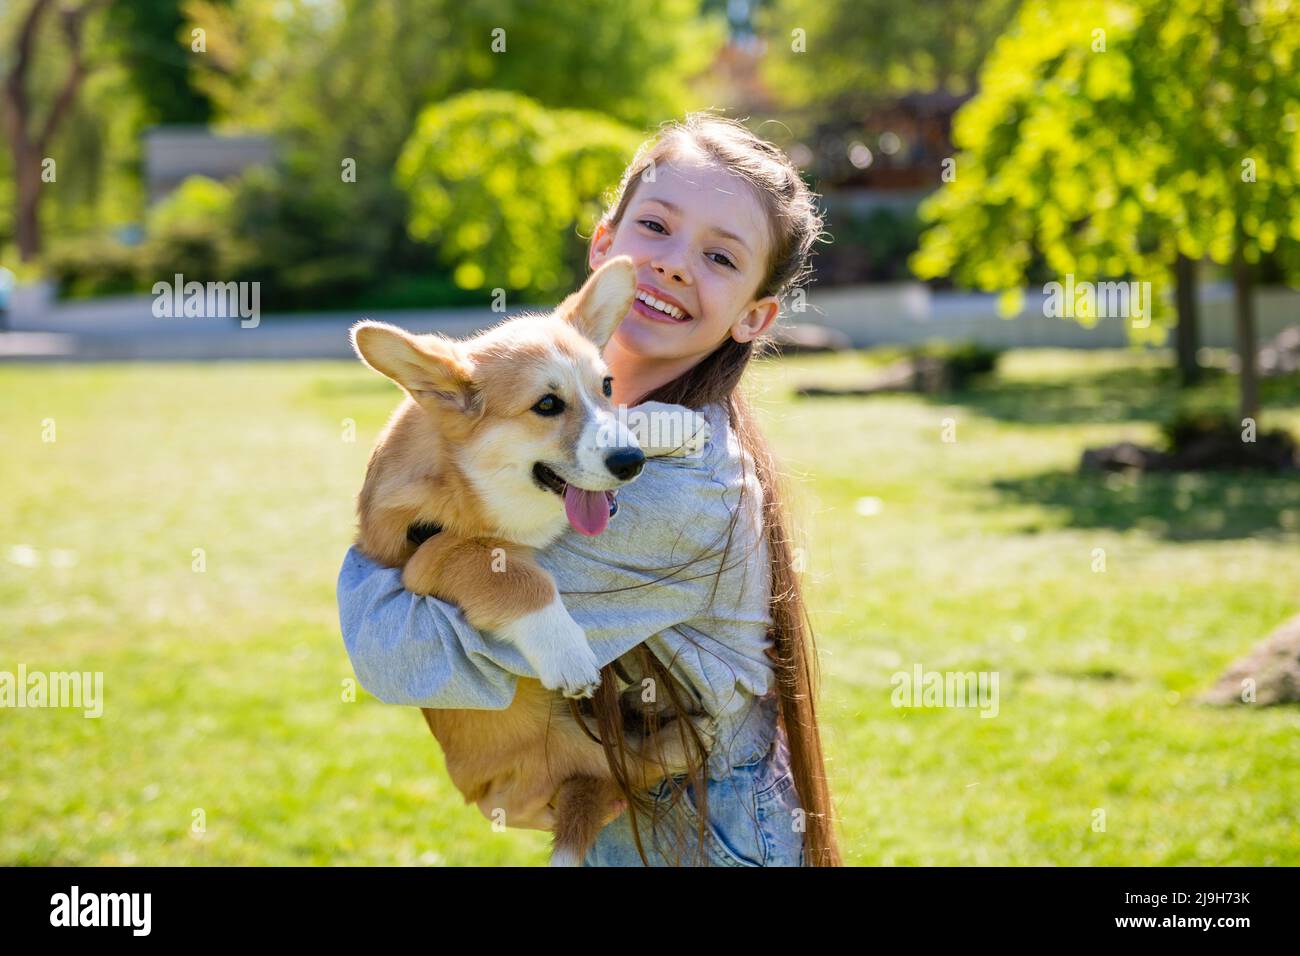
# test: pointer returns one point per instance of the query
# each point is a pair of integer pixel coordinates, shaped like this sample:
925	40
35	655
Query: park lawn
225	689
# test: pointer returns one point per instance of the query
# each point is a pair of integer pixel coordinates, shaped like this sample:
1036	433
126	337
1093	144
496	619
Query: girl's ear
601	240
601	304
756	319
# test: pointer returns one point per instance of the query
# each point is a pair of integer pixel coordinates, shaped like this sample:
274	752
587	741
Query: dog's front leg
501	588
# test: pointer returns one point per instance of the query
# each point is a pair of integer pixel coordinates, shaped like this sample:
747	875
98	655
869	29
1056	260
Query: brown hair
796	224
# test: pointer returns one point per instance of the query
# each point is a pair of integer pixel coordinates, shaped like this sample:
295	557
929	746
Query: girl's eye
549	405
657	226
722	260
607	386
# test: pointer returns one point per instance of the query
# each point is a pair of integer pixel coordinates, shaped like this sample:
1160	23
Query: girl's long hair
796	224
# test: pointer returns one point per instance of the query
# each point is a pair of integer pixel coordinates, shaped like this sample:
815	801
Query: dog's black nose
625	464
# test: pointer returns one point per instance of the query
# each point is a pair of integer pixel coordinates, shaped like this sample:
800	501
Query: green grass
224	689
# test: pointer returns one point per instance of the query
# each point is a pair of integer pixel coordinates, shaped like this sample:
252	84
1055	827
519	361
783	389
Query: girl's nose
676	273
671	267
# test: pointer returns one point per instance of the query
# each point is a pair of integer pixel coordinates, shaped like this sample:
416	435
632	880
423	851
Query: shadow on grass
1174	506
1112	396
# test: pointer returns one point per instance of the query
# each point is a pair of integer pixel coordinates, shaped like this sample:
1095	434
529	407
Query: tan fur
466	420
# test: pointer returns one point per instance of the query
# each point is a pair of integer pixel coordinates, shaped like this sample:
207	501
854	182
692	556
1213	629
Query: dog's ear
600	305
432	368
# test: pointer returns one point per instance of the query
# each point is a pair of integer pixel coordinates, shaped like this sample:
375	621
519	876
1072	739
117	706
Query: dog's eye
549	405
607	386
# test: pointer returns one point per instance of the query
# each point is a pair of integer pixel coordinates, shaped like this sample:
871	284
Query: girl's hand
668	431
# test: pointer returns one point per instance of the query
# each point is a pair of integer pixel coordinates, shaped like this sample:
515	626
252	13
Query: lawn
183	531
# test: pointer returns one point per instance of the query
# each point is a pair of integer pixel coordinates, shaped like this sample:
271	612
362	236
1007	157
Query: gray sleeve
411	649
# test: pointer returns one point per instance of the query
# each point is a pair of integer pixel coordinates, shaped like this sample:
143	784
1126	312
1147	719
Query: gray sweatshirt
417	650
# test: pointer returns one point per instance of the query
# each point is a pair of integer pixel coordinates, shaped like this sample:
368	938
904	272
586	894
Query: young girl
689	598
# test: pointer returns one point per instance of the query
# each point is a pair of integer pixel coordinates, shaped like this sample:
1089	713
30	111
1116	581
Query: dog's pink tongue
588	511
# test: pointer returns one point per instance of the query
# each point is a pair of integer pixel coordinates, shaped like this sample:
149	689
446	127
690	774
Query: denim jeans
753	821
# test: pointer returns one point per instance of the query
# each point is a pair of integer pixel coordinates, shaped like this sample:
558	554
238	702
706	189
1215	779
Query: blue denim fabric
752	821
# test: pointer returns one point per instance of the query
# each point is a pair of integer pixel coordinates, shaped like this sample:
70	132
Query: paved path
124	328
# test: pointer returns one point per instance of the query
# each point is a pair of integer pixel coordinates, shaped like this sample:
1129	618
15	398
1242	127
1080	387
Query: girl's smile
658	305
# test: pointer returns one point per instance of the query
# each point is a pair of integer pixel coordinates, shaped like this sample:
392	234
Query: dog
502	440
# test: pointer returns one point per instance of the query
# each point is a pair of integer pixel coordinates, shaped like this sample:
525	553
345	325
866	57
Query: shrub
503	186
1207	437
190	233
92	266
965	361
867	246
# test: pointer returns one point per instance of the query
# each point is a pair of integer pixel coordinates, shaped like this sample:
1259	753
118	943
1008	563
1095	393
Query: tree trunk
30	146
1244	302
1187	333
27	201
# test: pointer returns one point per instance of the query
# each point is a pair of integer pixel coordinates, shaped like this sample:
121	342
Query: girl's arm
411	649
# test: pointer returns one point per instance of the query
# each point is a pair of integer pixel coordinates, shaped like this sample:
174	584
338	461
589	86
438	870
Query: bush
196	201
302	241
1206	437
503	186
93	266
1189	424
965	361
867	247
190	233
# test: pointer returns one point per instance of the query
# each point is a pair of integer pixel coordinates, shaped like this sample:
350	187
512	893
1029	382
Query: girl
690	594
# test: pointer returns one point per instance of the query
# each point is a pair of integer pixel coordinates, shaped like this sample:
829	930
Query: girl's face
700	242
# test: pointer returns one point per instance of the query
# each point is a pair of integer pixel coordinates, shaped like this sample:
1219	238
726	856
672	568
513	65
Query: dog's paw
576	679
553	643
668	431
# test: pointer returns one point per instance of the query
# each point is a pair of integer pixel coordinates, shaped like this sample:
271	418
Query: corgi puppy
503	440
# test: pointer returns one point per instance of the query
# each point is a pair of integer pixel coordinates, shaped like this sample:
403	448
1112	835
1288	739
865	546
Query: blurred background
1038	409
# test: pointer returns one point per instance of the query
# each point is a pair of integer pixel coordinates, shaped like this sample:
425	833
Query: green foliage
631	59
1110	161
931	46
147	38
191	233
198	198
347	81
503	186
300	241
1192	424
967	361
868	247
95	148
91	266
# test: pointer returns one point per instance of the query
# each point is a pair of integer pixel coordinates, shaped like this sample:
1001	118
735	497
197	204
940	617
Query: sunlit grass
225	688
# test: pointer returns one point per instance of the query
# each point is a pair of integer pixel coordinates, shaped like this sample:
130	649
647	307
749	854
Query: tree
343	82
506	187
1110	139
30	139
147	37
856	50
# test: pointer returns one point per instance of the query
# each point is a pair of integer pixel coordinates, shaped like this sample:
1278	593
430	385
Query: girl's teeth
663	307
